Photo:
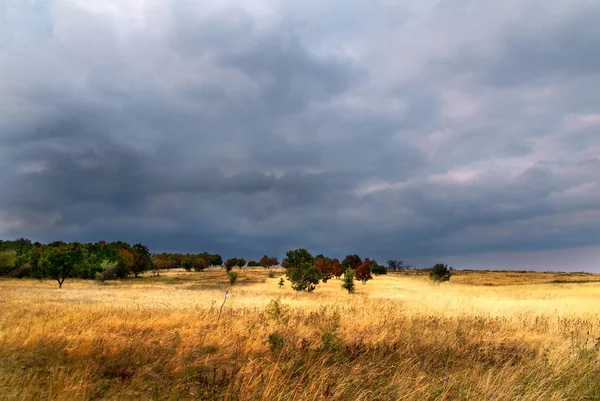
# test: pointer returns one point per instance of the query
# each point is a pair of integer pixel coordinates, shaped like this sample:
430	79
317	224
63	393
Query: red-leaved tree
363	272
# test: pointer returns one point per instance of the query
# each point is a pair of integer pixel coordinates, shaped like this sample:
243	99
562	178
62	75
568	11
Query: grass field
482	336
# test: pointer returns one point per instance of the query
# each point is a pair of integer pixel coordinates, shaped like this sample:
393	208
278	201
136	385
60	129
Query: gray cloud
421	130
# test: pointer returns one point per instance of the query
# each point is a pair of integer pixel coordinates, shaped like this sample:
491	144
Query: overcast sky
457	130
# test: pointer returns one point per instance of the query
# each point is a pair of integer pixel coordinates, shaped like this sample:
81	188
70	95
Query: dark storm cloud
449	130
564	50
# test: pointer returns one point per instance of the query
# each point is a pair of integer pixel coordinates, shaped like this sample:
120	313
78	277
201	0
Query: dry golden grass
397	338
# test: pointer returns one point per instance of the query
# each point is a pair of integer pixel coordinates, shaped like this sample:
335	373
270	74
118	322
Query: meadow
481	336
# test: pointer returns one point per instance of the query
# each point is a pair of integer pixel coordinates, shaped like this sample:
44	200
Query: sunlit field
481	336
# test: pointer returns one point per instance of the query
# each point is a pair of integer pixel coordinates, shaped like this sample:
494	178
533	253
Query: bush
330	340
271	274
8	261
276	342
24	271
232	277
200	265
187	264
109	271
281	282
276	310
377	269
348	282
440	273
120	271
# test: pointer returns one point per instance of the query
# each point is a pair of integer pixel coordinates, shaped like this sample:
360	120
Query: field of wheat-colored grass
481	336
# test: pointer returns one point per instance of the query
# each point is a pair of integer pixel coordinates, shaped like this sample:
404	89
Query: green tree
187	265
377	269
142	260
107	270
304	277
348	282
440	273
62	261
8	261
298	257
216	260
301	270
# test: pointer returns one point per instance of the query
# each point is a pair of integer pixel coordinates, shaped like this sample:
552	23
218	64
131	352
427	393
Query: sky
427	130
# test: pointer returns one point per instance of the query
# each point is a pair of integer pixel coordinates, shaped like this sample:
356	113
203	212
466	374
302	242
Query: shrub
276	342
8	261
440	273
253	263
108	271
200	264
24	271
281	282
187	264
276	310
232	277
330	340
348	282
271	274
120	271
377	269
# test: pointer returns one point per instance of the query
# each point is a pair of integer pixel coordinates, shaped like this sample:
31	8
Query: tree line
113	260
305	271
99	260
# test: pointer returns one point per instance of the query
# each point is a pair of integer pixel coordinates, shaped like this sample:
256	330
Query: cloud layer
413	129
